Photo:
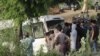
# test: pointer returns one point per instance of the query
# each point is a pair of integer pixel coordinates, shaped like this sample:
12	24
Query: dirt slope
69	14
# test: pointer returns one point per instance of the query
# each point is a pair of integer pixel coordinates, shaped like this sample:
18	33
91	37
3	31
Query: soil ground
68	14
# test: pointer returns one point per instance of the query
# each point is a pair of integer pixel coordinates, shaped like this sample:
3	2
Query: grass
7	34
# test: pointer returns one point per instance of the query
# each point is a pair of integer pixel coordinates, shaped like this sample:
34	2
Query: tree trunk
19	36
31	27
20	31
85	6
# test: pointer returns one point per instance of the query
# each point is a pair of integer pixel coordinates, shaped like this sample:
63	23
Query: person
98	19
79	36
61	40
49	40
96	6
81	32
84	29
73	36
52	39
72	7
67	30
86	15
27	44
82	15
94	33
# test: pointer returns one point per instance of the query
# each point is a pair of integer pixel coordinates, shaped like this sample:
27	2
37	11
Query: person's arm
31	42
54	41
33	39
92	34
46	40
67	39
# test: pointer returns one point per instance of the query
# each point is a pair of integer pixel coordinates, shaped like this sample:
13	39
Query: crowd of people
68	38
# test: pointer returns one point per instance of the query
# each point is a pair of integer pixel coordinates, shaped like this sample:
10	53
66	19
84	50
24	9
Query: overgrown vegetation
9	46
50	53
9	43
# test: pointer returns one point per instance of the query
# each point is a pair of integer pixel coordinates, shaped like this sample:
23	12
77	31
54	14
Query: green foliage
90	4
5	35
50	53
12	9
85	49
35	8
7	38
4	51
80	3
22	9
93	17
19	10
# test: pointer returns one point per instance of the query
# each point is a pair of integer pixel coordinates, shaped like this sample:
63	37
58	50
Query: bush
4	51
85	49
50	53
9	44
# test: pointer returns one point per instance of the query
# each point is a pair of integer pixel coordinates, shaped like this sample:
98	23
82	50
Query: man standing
94	33
27	44
60	40
96	6
73	36
49	39
98	19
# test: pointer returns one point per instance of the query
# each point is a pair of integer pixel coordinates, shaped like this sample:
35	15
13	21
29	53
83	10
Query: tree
35	8
10	9
85	6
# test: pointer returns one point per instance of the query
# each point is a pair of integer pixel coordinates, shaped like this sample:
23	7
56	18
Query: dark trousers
78	43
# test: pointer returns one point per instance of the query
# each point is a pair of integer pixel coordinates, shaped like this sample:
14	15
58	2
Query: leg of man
95	46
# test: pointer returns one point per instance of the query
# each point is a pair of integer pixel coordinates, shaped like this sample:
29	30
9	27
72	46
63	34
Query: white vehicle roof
50	18
44	18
